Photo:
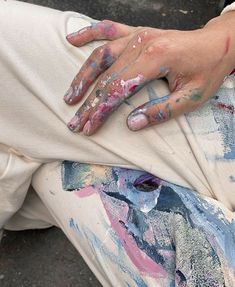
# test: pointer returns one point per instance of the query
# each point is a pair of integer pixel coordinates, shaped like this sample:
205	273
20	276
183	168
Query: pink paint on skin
227	46
123	89
74	123
130	85
87	128
137	122
108	28
85	192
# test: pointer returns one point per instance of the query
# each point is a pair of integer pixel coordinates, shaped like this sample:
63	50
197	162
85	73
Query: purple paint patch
147	183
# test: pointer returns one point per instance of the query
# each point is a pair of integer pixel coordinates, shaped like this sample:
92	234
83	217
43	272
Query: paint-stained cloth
191	161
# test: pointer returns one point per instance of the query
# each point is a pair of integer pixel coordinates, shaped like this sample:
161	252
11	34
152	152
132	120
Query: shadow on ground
45	258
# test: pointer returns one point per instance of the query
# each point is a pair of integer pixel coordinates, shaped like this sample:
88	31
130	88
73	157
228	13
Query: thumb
162	109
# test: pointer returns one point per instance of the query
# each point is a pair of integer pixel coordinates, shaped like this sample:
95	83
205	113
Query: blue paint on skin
107	59
142	109
156	101
93	65
164	71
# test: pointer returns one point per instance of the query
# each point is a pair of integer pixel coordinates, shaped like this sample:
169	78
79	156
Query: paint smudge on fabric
117	257
232	178
151	93
228	108
219	113
152	225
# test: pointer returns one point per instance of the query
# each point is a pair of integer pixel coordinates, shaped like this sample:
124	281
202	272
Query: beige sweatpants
37	65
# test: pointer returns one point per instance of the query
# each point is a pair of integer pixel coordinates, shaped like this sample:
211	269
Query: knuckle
158	47
107	21
144	33
99	50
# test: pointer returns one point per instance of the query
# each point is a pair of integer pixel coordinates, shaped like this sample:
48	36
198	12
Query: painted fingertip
69	95
72	35
87	128
74	124
137	122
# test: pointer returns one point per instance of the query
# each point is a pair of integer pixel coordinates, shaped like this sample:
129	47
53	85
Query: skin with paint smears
194	63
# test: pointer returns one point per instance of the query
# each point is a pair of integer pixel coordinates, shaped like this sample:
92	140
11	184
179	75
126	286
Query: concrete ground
46	258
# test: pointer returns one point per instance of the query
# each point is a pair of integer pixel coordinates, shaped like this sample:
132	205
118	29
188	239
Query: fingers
120	82
162	109
101	59
104	30
111	101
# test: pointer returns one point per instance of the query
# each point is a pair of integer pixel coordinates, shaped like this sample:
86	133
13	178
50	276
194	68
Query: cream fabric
37	65
229	8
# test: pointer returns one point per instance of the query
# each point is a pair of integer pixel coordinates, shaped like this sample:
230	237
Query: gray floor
46	258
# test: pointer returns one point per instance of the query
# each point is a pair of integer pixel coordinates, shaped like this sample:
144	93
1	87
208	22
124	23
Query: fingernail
137	122
74	124
72	35
87	128
69	95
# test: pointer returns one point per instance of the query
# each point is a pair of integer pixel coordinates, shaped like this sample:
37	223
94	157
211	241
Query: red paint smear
132	89
228	108
227	46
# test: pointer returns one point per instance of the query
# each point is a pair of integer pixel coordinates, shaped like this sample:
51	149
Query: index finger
103	30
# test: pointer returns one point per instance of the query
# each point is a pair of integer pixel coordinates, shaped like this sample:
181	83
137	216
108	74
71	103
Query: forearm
224	25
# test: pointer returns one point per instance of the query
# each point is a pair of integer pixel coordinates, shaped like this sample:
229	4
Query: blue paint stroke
106	254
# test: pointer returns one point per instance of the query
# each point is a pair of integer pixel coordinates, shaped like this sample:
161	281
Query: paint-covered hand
194	63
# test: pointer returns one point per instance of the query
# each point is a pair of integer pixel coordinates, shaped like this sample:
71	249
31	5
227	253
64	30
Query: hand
194	63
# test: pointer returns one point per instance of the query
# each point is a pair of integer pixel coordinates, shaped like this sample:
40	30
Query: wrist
224	28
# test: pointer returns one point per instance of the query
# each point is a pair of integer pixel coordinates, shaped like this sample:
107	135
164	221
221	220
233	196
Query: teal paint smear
196	95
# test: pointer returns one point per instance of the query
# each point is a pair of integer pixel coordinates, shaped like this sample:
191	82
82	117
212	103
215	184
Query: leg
133	228
38	65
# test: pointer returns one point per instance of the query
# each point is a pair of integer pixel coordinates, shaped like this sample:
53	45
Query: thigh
135	229
37	65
